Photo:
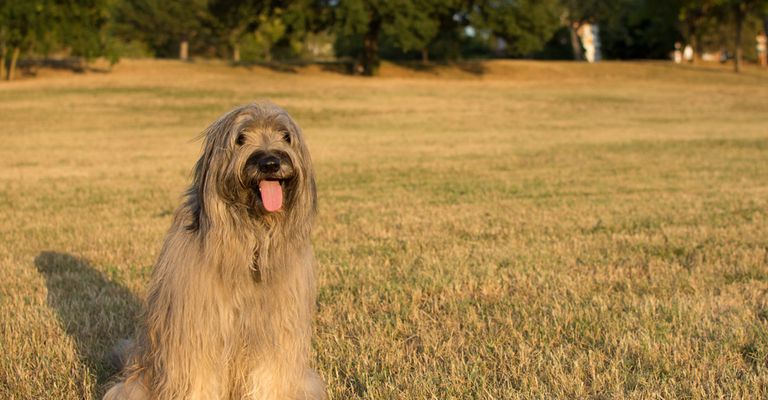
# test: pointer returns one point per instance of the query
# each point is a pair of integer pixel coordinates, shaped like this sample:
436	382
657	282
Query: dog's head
255	163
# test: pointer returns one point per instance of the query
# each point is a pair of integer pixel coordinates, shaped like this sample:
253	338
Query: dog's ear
308	171
218	139
309	174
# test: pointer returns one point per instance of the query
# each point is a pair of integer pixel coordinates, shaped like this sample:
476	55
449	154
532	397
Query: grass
511	230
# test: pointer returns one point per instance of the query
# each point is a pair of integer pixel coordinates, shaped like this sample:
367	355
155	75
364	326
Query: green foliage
257	45
232	19
633	29
358	29
579	11
258	28
21	30
79	28
352	16
25	22
362	26
305	17
83	29
524	25
161	24
414	25
131	48
363	31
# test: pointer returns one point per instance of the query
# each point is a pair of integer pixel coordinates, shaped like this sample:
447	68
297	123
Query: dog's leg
314	387
127	390
267	385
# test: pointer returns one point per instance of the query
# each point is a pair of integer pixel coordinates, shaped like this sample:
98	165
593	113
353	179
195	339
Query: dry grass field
489	231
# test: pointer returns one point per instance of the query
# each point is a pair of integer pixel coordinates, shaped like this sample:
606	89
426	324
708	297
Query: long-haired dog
230	302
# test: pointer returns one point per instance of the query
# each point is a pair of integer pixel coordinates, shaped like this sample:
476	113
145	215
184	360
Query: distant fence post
184	50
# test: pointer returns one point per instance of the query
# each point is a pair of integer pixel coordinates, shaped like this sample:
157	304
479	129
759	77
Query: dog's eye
240	139
287	137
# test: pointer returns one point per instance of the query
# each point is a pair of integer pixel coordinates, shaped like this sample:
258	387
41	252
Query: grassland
504	230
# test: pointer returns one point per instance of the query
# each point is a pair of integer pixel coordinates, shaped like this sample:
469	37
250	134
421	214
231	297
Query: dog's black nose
269	164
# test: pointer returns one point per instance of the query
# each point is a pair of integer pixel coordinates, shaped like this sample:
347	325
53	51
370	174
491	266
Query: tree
82	28
740	10
358	27
406	25
695	14
3	39
271	28
40	26
575	13
452	40
415	25
166	26
235	18
303	18
24	24
525	25
631	29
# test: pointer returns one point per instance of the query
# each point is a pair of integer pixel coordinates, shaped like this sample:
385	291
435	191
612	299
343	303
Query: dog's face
255	159
265	163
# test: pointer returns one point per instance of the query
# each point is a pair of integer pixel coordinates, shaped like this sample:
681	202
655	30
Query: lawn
493	230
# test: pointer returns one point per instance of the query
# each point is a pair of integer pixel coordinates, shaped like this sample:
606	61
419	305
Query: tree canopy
364	31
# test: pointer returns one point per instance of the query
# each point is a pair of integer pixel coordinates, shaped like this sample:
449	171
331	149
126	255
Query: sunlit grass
540	230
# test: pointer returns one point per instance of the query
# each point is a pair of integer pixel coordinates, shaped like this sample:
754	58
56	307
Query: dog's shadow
93	310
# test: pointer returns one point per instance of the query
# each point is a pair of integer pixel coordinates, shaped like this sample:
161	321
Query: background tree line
363	32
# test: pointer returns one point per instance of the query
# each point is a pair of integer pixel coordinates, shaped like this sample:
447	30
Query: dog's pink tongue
271	195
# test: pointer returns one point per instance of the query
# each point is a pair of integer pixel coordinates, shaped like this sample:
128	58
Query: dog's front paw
314	387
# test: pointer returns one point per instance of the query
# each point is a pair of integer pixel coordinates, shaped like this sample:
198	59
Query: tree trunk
764	61
370	62
739	25
236	53
3	50
184	49
268	53
425	55
578	54
765	25
695	47
14	61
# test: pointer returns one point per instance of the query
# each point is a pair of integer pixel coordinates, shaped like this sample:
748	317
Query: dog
230	302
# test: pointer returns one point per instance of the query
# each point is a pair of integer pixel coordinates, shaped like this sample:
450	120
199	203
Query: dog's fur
229	307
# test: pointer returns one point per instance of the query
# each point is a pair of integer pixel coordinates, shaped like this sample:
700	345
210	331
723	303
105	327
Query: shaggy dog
230	302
